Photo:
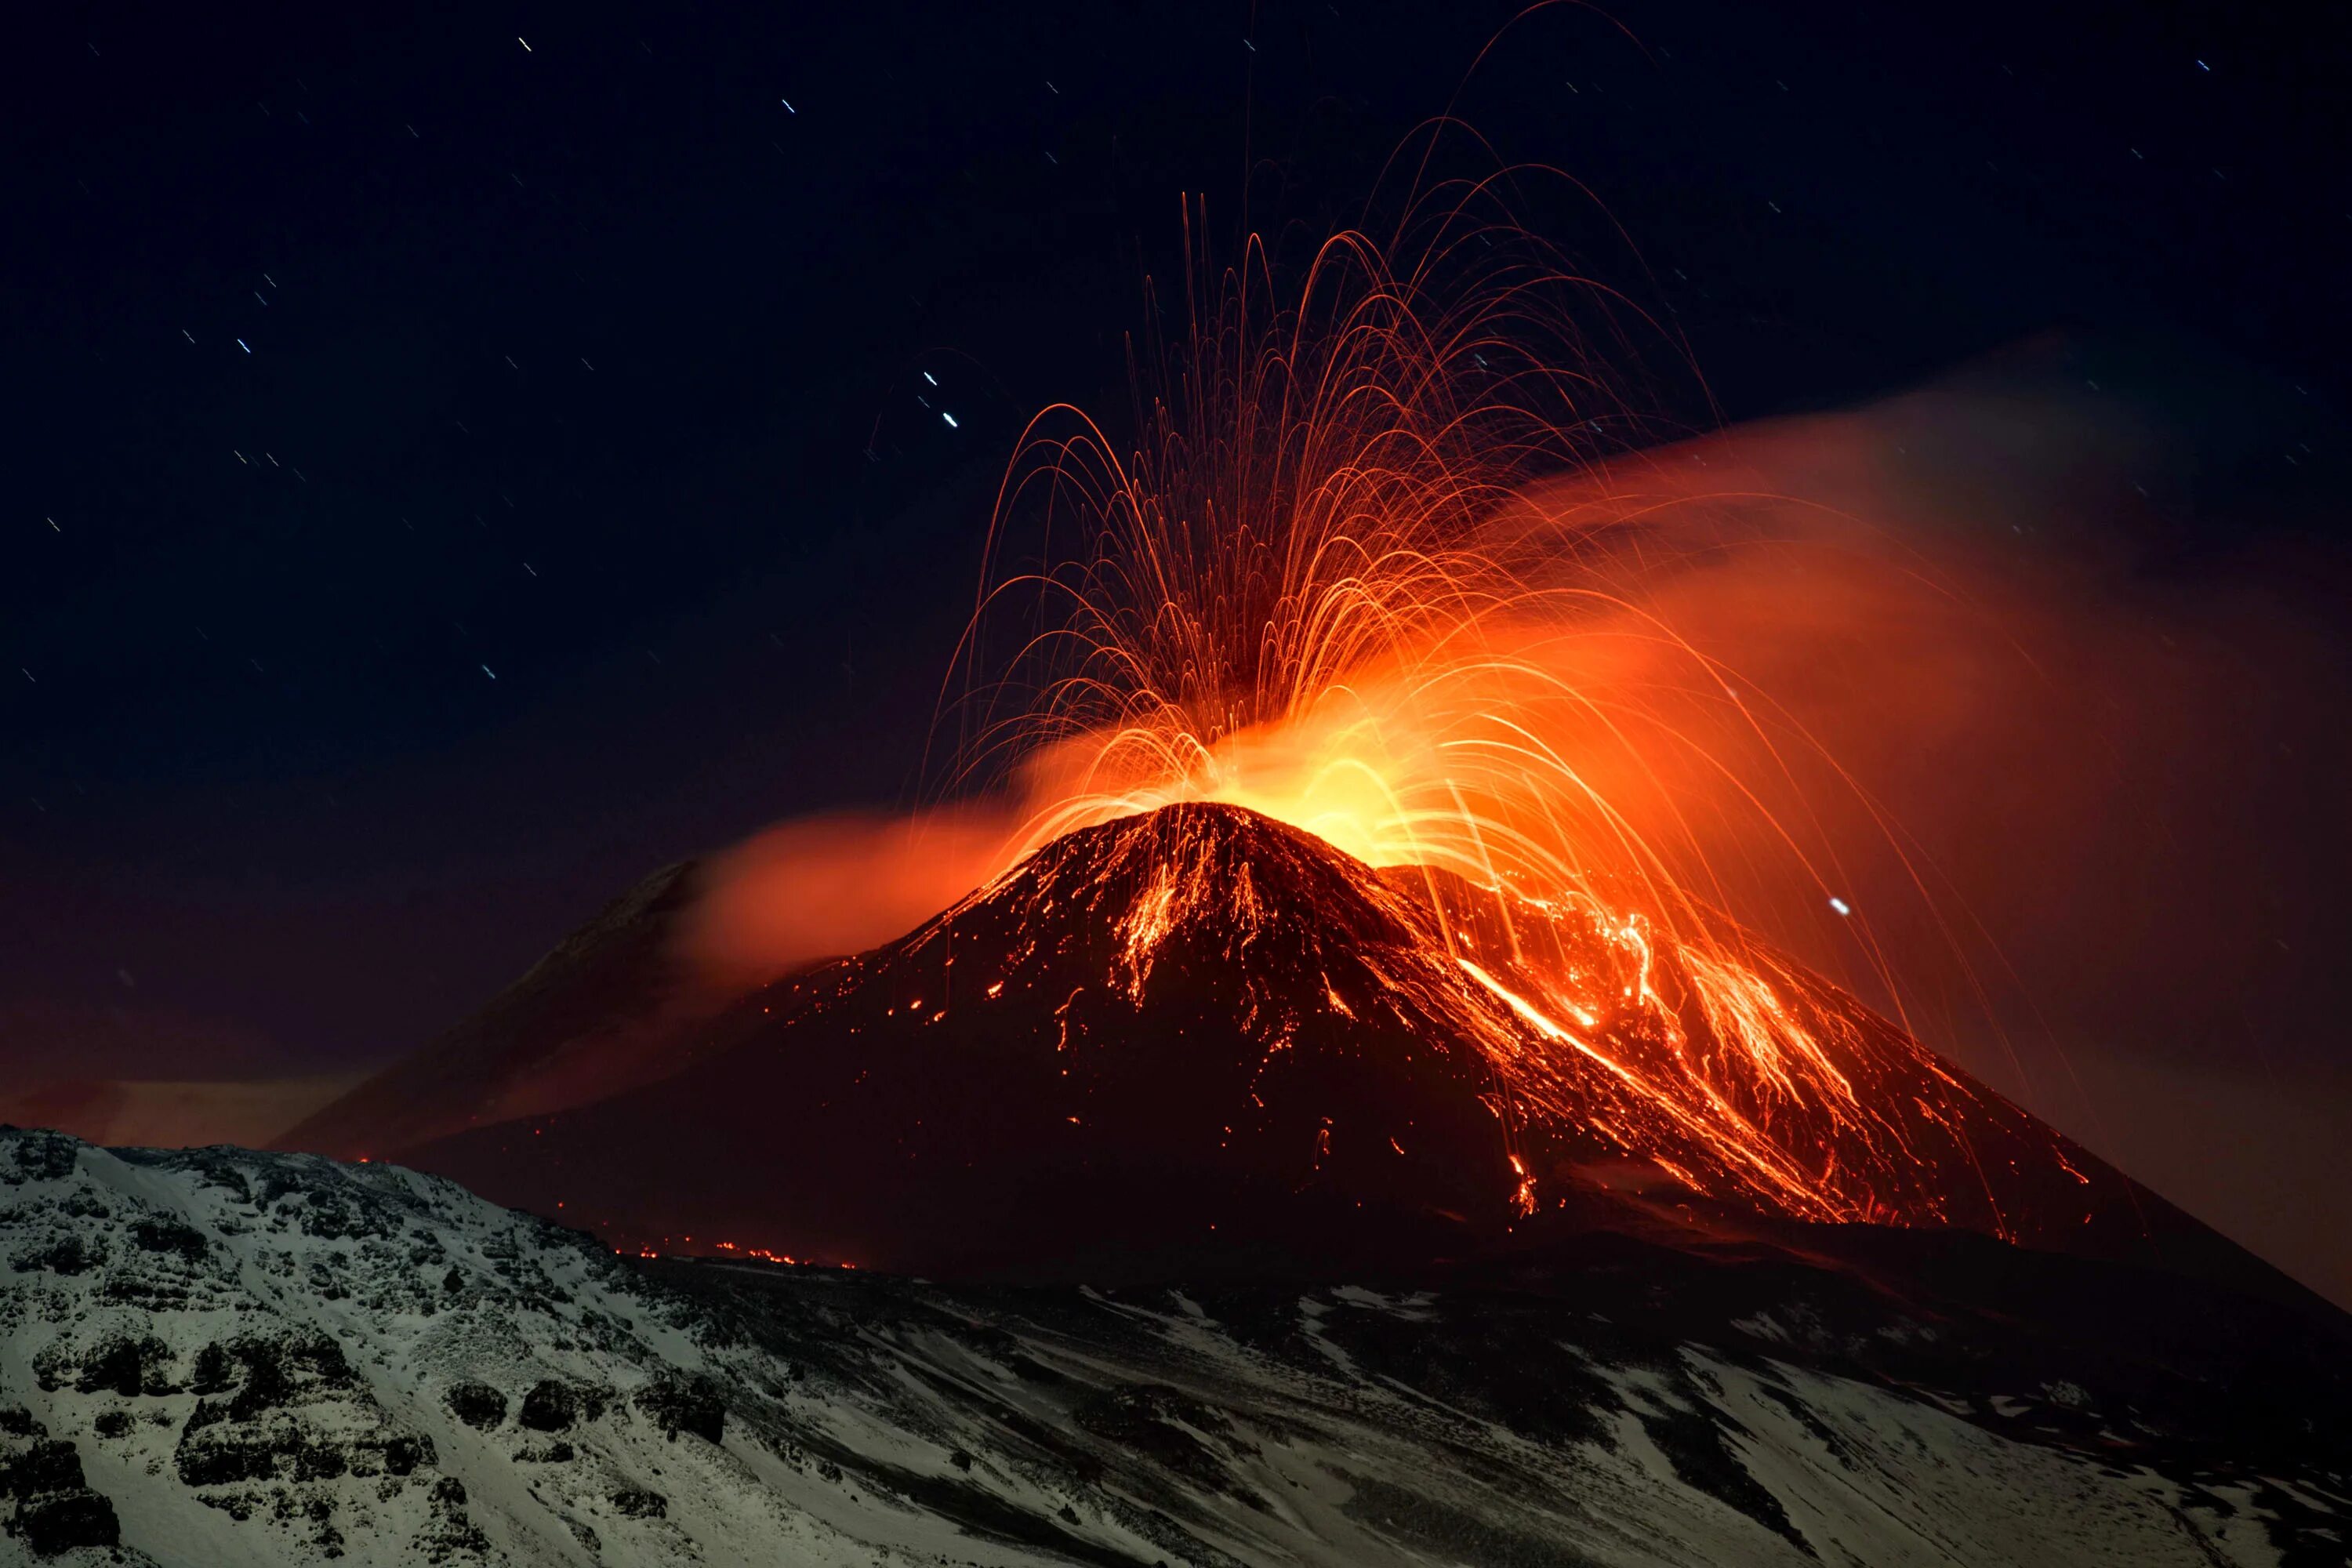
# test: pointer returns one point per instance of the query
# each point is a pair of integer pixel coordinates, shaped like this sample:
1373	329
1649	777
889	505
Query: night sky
456	462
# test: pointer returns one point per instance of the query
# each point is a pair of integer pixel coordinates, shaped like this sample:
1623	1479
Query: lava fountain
1324	586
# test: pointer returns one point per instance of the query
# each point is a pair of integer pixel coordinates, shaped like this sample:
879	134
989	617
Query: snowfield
219	1357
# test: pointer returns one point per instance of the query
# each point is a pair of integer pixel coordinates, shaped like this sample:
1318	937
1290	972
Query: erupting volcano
1360	893
1407	934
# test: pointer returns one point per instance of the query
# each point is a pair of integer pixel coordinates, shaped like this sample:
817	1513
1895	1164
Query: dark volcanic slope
1201	1034
598	1015
1106	1058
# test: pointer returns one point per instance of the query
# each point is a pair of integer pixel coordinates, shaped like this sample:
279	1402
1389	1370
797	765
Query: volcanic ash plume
818	887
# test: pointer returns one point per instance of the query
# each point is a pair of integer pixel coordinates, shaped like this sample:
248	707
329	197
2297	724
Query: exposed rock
127	1366
45	1501
478	1405
637	1504
169	1235
58	1255
550	1406
31	1156
678	1405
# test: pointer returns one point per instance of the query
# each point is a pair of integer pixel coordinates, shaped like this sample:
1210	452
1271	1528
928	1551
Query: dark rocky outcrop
45	1500
478	1405
635	1502
678	1405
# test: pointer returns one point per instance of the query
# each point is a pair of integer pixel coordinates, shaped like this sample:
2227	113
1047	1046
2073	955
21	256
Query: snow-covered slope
219	1357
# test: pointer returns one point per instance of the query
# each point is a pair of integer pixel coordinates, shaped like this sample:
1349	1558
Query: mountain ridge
224	1355
588	1019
